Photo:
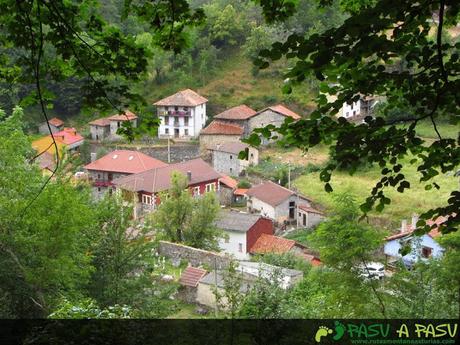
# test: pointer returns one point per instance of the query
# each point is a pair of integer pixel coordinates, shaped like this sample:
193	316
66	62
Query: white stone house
359	109
241	232
182	115
225	158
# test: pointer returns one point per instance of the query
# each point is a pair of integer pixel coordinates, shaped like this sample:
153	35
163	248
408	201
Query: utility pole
289	176
215	284
169	151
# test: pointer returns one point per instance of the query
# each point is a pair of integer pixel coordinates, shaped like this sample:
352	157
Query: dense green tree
44	248
230	297
182	218
357	58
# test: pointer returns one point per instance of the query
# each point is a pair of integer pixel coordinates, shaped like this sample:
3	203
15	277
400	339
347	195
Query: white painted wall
232	246
265	209
196	121
392	248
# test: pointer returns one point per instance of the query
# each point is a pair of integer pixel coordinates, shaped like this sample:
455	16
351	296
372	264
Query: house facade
107	127
116	164
309	217
358	110
219	133
248	119
225	158
276	202
55	124
242	230
422	247
143	189
182	115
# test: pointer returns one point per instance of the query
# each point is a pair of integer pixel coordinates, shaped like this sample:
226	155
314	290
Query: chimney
93	156
189	176
414	220
404	225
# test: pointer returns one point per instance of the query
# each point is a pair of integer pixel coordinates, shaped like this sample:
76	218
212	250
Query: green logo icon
324	331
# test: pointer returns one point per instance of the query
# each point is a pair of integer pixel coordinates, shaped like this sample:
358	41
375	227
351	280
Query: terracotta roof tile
159	179
281	109
127	116
184	98
228	181
125	161
309	209
56	122
433	233
222	128
68	136
103	122
191	276
240	112
271	244
240	191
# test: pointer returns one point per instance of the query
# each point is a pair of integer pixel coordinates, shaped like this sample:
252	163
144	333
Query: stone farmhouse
280	204
218	133
106	127
246	119
117	164
358	110
242	230
182	115
143	189
225	158
56	125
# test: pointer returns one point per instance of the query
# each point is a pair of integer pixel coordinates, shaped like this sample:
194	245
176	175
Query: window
98	176
146	199
186	121
166	120
166	130
98	189
210	187
176	108
252	155
185	131
240	247
196	191
427	252
231	157
118	124
354	112
231	170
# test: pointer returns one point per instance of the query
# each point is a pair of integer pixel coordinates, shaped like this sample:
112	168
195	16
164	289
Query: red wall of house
262	226
201	185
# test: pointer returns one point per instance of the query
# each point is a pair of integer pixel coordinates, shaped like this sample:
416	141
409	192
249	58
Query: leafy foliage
383	49
182	218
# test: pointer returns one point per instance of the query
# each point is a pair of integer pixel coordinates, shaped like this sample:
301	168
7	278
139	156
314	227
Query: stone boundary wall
196	257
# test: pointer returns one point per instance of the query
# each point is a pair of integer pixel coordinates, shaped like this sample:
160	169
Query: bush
244	184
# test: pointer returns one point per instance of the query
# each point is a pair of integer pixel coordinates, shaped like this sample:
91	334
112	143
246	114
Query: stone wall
208	141
196	257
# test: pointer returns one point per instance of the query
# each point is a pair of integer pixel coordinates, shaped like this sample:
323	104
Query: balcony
179	113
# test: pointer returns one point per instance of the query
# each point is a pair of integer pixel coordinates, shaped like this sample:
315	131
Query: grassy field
416	199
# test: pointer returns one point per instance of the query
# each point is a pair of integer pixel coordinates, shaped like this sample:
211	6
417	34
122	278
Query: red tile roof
281	109
222	128
103	122
68	136
314	261
184	98
159	179
127	116
56	122
233	147
271	244
240	191
228	181
270	193
126	162
309	209
191	276
240	112
433	233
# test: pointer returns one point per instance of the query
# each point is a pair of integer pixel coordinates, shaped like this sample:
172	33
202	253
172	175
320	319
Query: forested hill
217	61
